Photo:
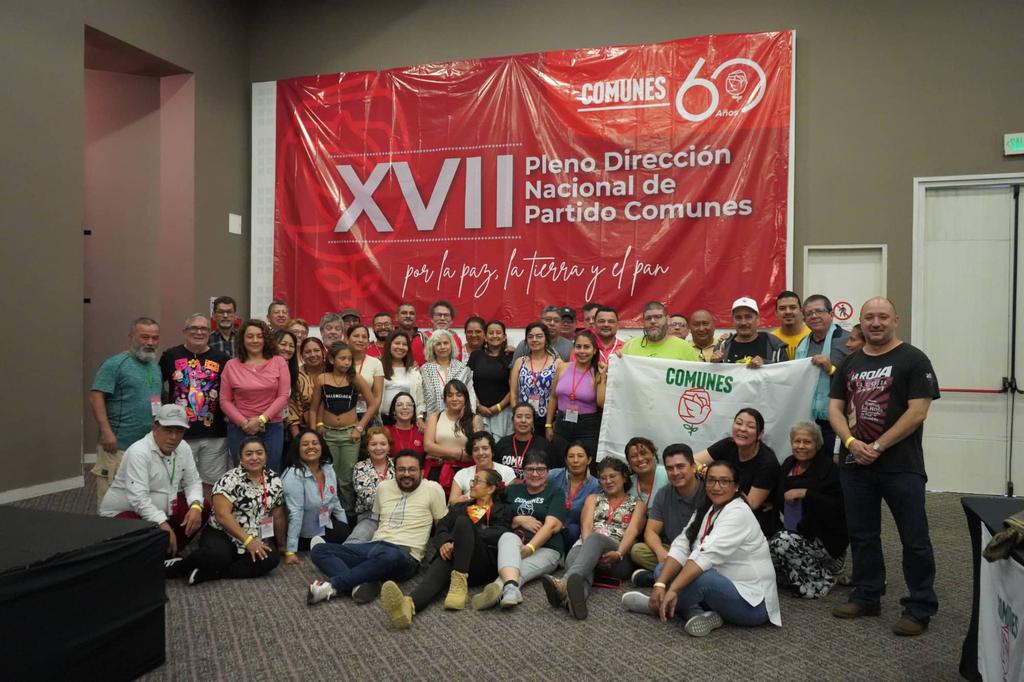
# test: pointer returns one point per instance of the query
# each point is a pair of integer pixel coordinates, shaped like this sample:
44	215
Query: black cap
567	312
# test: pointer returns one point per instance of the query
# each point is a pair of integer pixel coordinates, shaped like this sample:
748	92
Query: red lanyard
572	495
605	353
536	375
442	377
575	383
612	510
515	450
707	526
385	476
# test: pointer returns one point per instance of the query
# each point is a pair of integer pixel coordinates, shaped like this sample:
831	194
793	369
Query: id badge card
534	400
325	517
601	531
267	527
361	406
154	404
571	416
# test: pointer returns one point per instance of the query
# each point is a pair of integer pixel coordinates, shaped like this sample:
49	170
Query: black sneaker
642	578
364	593
576	597
172	568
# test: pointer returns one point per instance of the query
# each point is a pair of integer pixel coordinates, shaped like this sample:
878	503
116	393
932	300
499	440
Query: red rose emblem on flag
695	406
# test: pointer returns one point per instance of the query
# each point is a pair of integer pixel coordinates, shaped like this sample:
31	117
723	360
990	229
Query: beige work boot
458	592
398	606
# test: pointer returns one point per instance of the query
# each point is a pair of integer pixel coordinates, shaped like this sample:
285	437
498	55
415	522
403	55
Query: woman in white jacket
719	569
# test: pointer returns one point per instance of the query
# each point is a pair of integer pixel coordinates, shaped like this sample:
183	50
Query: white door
963	318
847	274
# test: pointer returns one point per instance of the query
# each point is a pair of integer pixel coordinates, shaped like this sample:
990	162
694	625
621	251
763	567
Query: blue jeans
712	591
354	564
273	441
864	488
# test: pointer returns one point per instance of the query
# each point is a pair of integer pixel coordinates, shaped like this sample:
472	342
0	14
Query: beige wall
42	153
885	91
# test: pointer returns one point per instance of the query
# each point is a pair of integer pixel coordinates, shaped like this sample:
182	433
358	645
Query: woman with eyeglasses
612	521
719	569
756	463
404	433
577	484
481	448
466	540
534	546
810	550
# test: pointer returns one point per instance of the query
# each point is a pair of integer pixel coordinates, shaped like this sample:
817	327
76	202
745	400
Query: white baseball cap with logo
745	302
171	415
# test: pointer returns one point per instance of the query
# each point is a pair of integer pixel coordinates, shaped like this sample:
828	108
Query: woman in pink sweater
254	389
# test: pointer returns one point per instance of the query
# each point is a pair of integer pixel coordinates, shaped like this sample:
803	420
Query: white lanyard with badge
171	471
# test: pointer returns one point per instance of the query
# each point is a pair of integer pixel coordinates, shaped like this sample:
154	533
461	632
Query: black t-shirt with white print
877	390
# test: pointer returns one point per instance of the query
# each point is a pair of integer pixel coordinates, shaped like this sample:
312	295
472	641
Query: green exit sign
1013	143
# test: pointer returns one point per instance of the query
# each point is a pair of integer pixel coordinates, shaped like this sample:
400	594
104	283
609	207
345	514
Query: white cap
745	302
171	415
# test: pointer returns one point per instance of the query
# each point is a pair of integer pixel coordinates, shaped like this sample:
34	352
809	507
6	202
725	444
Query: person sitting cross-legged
719	569
406	508
467	545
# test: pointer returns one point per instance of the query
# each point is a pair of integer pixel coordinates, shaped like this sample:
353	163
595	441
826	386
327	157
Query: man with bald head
702	334
879	400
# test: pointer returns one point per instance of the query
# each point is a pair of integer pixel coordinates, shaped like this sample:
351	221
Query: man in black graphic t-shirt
879	400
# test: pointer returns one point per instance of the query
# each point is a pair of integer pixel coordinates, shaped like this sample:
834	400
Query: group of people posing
475	461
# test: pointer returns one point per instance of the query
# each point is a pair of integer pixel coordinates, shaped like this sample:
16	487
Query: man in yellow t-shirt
656	342
792	329
406	509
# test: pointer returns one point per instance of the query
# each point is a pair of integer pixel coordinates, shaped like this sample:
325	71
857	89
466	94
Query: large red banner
616	174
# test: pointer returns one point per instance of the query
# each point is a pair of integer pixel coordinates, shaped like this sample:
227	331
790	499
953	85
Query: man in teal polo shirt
124	398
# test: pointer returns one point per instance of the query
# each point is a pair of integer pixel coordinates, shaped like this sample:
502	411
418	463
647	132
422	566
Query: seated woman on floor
311	496
481	448
756	463
576	483
248	523
612	522
366	476
719	570
466	540
648	475
534	546
810	551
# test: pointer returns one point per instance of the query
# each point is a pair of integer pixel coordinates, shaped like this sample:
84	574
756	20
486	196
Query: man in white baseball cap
158	482
748	346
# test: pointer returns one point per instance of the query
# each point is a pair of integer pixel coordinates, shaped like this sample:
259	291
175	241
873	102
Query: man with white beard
125	396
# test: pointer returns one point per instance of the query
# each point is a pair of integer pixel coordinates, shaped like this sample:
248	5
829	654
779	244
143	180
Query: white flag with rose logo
671	401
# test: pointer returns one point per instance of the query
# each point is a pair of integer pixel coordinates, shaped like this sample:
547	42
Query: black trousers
217	557
337	535
586	430
470	556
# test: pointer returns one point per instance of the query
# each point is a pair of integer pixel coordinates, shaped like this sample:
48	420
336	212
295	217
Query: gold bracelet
498	407
196	505
262	420
850	439
548	426
660	584
319	424
831	370
533	550
287	553
248	539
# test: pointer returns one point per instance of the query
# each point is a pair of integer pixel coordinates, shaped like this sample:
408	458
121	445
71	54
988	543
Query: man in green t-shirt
124	397
656	341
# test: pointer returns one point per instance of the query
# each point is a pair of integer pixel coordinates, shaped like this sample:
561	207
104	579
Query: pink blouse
251	390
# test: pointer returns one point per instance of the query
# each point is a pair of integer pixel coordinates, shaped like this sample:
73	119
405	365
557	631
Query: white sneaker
636	602
318	540
320	591
510	596
702	625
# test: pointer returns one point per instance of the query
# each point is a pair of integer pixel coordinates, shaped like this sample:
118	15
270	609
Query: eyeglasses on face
720	482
